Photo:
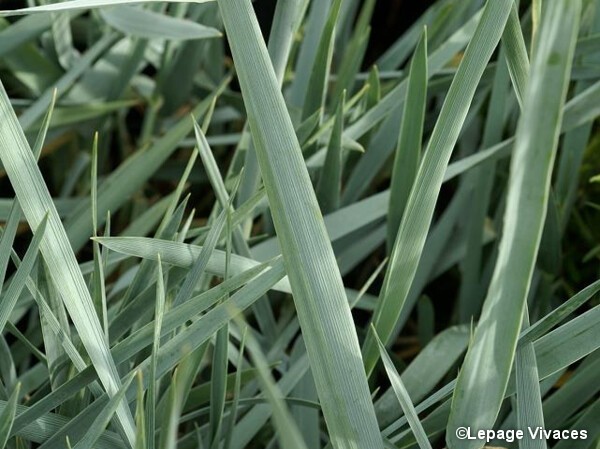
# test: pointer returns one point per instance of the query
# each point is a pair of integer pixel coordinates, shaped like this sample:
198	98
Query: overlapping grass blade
588	421
30	116
422	375
23	31
438	59
159	311
318	290
531	169
544	325
233	413
8	237
286	21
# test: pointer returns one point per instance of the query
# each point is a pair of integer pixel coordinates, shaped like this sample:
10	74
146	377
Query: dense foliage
219	236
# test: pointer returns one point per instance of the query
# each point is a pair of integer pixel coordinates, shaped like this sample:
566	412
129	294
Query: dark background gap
390	19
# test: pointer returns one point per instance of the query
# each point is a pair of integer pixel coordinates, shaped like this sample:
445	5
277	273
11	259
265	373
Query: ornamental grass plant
222	232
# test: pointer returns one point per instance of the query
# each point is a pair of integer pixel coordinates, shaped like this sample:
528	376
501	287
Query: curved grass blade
476	403
317	286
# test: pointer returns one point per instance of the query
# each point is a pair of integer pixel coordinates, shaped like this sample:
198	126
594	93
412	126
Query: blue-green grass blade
147	24
85	4
408	151
474	404
403	397
314	275
417	217
9	299
7	416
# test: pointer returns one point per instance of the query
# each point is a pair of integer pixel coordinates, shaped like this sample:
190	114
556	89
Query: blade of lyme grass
87	4
148	24
477	400
35	200
408	152
319	296
8	416
416	220
529	397
403	397
287	430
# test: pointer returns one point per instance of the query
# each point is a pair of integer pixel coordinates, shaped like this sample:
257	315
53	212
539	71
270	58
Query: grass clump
299	241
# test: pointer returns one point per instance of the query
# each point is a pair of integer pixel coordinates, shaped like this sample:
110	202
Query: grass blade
16	286
531	168
403	397
408	151
319	75
181	255
8	415
147	24
516	54
85	4
417	217
287	431
529	398
330	181
319	295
